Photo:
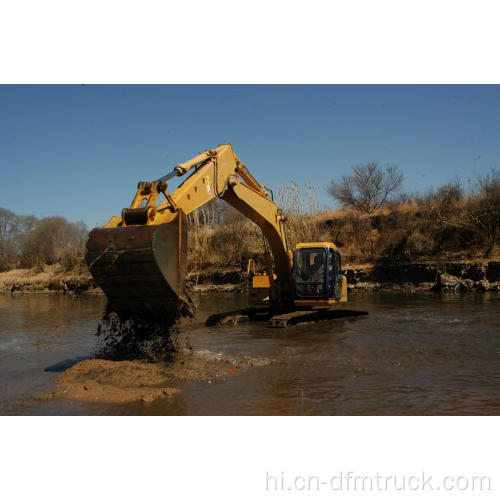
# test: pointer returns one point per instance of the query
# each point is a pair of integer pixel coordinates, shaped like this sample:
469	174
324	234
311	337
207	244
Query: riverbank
47	279
478	276
461	276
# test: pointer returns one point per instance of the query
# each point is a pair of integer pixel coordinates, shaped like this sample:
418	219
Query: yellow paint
260	281
220	173
322	244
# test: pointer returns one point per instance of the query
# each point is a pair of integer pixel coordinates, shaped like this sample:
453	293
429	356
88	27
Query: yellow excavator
140	258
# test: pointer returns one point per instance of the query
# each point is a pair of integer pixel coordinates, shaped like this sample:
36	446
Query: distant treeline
26	241
377	222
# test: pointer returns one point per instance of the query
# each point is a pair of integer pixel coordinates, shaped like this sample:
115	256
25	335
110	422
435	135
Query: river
415	353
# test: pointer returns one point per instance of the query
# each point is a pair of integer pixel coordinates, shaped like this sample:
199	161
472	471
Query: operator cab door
311	270
334	275
318	273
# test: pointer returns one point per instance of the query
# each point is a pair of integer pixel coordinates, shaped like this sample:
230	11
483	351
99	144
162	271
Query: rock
448	281
426	285
482	286
474	272
405	273
493	271
468	284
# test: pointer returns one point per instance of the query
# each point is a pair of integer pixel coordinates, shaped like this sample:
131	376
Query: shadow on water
65	364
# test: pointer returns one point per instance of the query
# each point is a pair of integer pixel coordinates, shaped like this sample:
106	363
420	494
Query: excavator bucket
141	268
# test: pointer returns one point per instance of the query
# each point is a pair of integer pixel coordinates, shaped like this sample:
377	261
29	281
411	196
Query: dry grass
441	224
219	236
41	278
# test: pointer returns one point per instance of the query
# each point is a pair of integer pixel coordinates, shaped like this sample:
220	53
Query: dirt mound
99	380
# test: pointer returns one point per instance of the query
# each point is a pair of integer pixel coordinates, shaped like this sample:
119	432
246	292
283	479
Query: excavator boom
140	258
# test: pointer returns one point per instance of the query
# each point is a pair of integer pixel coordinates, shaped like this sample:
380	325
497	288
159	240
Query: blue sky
78	151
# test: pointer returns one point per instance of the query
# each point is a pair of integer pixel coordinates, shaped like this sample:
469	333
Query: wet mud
132	336
106	381
139	352
133	330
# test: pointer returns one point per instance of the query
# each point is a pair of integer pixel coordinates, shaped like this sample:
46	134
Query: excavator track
278	317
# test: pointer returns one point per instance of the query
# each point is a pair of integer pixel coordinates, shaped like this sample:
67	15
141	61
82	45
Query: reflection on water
414	354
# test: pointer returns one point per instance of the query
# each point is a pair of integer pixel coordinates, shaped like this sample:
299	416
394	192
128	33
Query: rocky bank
460	276
463	276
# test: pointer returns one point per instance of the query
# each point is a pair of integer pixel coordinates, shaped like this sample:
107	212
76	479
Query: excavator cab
318	275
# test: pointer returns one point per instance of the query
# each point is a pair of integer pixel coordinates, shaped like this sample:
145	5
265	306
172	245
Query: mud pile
140	350
141	355
99	380
104	381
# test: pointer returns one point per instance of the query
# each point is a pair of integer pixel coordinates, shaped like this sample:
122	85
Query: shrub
480	212
367	188
53	240
26	241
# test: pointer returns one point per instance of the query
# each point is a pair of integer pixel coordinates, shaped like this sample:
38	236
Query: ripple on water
413	354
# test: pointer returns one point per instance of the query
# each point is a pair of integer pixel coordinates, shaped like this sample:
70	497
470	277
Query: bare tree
481	212
367	188
12	228
54	240
7	229
8	224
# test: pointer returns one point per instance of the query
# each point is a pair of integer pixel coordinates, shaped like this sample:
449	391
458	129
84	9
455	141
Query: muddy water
414	354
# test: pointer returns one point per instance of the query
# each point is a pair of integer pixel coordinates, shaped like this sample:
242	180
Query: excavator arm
140	258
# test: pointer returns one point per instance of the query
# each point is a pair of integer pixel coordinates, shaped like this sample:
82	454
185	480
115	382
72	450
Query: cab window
310	272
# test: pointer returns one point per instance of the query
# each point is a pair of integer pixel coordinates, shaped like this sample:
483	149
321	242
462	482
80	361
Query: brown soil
99	380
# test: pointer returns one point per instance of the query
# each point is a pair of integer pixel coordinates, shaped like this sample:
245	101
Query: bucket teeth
141	268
